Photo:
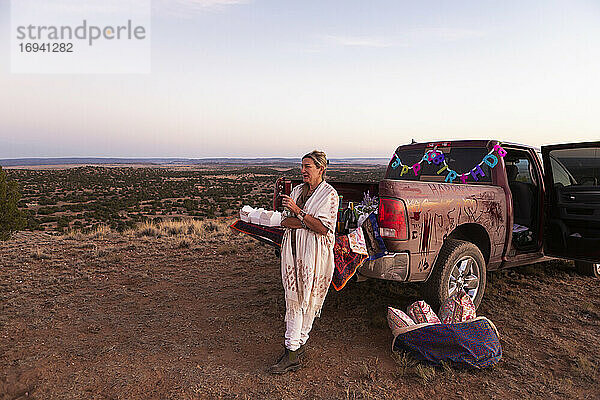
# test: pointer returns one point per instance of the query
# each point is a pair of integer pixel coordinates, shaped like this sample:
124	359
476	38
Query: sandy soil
133	318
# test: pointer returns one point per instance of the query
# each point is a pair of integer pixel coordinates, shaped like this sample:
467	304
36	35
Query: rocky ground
127	317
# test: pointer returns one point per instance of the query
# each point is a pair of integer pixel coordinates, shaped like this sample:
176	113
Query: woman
306	255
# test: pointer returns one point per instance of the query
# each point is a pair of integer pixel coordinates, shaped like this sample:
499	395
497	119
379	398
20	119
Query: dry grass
39	254
100	231
74	235
146	229
99	252
183	242
405	364
225	249
187	229
425	372
114	258
585	368
369	370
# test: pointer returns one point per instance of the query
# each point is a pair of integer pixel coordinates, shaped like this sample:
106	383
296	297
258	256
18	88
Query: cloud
77	8
443	34
186	8
408	38
357	41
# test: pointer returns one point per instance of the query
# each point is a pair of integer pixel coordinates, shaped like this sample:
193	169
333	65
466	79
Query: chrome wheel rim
464	275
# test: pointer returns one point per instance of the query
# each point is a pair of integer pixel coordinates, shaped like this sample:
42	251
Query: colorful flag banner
439	159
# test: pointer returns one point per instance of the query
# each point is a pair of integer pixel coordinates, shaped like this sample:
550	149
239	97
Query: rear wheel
588	268
460	265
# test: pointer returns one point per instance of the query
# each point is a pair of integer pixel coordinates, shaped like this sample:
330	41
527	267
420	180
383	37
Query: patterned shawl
307	276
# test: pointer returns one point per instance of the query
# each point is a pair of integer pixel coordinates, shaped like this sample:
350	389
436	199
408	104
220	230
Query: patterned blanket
471	344
346	262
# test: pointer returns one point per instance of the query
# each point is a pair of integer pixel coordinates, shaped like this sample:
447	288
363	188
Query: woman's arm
311	222
292	222
314	224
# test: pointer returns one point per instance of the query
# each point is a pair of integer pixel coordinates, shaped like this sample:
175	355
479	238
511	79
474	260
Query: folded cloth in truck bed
373	240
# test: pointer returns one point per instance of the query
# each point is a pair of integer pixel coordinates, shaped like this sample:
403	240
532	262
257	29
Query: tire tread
433	286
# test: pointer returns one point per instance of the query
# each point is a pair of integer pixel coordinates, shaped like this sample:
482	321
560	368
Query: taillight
392	219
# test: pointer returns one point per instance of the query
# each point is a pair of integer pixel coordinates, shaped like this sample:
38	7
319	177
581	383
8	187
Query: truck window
523	171
576	166
561	174
459	159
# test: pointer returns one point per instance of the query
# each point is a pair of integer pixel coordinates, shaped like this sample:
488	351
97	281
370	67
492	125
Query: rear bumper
393	267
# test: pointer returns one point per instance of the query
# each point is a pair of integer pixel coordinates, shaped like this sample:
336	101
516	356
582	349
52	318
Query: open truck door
572	223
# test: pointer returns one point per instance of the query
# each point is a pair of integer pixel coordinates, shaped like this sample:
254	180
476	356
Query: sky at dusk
264	78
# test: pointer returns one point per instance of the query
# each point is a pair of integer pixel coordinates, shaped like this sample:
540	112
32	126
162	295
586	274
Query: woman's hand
290	204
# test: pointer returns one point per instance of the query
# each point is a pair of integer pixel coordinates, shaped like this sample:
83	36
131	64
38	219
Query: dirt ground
158	318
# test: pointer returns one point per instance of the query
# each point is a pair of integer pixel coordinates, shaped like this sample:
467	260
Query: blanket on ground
471	344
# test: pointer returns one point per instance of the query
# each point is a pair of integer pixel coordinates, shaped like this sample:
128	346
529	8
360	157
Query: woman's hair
319	158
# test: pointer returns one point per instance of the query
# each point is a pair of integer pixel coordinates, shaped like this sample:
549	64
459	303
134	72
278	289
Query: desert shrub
114	258
11	217
32	224
47	210
62	223
225	249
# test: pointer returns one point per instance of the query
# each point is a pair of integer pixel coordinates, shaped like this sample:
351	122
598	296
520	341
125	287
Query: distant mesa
20	162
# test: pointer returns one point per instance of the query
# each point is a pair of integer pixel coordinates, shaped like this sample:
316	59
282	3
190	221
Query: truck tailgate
266	234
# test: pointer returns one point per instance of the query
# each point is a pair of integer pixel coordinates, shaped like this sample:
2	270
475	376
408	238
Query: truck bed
349	191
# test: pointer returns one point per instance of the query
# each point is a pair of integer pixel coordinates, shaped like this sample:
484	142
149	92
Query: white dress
306	277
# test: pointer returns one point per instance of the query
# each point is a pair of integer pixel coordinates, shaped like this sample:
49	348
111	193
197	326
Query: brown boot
301	350
288	361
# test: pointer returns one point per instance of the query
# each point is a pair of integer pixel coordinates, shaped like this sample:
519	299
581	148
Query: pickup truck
451	211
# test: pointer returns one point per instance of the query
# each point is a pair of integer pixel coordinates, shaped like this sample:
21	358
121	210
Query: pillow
421	313
397	319
458	308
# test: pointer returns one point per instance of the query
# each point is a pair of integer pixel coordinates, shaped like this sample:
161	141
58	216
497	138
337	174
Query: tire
458	264
588	268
